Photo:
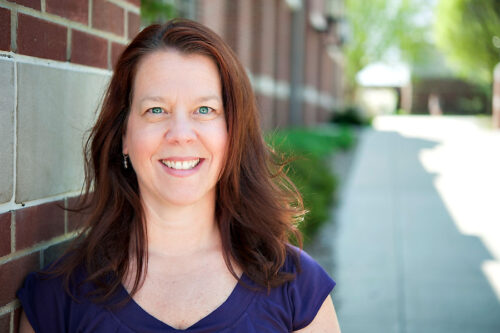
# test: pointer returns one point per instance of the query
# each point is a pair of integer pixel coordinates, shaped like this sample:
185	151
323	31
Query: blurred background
390	109
388	104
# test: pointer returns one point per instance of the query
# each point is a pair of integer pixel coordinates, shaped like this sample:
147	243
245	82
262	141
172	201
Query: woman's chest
182	300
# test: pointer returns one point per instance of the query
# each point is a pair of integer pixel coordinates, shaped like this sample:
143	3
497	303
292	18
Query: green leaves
465	31
157	11
379	27
310	170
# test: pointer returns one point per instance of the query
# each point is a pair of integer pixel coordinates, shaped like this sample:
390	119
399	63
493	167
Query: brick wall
260	31
282	63
56	57
264	48
311	76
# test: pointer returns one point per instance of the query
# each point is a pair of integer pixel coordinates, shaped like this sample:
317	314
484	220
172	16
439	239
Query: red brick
12	275
77	11
39	223
17	318
108	16
116	51
266	47
39	38
89	50
29	3
284	17
4	29
282	107
134	24
243	31
5	323
75	219
5	233
257	36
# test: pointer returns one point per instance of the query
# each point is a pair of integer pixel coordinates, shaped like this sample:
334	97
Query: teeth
184	165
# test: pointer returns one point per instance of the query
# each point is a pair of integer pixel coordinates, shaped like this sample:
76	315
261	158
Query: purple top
287	308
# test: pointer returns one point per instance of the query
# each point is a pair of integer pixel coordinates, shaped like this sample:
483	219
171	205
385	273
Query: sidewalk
416	244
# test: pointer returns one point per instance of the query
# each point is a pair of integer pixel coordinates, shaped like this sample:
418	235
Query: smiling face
176	134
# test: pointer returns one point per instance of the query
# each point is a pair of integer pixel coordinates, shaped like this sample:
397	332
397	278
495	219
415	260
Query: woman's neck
181	231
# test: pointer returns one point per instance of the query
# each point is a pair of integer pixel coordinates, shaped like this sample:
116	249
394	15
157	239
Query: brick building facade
286	52
55	60
56	57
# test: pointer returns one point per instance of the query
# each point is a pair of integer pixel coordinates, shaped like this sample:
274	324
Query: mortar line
9	307
89	23
11	327
65	215
110	65
13	232
68	44
13	29
125	23
39	246
63	21
42	264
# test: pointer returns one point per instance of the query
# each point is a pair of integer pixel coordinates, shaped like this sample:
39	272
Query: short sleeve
308	290
44	302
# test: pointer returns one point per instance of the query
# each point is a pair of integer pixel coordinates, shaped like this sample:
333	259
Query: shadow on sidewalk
399	260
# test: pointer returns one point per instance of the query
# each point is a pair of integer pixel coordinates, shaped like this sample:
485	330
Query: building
55	60
289	49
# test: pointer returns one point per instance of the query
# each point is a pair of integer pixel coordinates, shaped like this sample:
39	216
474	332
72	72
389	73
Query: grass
310	169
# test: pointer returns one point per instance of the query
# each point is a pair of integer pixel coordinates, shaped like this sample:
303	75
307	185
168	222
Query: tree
468	33
381	27
157	11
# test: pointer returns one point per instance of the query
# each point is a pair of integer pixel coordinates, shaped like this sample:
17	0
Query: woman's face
176	134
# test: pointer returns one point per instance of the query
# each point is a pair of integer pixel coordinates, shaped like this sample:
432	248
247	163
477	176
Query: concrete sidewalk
416	244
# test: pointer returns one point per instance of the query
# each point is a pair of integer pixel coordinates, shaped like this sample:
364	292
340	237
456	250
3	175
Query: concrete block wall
56	58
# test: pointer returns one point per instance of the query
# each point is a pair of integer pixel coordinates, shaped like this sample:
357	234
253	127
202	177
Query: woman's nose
180	129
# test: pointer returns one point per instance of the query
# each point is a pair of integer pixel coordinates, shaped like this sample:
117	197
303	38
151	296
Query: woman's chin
187	198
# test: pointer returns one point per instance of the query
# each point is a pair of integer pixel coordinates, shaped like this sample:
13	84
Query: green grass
310	150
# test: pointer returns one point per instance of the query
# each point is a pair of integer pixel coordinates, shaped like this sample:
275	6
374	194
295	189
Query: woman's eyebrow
209	98
152	98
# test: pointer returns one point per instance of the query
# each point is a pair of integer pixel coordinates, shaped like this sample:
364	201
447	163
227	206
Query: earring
125	163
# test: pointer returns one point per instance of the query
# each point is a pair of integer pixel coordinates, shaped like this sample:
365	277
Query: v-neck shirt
286	308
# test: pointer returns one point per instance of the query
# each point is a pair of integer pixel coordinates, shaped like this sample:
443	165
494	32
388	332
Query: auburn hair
257	206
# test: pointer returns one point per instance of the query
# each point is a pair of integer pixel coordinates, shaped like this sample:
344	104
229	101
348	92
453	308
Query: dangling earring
125	163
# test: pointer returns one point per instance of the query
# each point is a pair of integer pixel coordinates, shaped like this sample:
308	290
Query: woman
190	217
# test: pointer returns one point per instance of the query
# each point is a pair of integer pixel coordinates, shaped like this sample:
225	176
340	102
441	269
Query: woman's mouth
181	165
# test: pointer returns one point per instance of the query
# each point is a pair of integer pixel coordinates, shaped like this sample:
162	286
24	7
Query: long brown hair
257	207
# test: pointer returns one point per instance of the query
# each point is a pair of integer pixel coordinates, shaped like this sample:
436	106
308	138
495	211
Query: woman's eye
204	110
156	110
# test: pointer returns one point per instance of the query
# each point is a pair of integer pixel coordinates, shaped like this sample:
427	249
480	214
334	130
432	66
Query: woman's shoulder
51	305
52	281
294	304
